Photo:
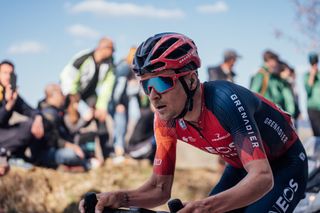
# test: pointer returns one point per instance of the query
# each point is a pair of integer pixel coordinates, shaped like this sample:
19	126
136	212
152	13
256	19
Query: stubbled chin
165	116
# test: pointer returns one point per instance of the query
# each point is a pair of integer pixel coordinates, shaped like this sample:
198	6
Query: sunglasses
161	84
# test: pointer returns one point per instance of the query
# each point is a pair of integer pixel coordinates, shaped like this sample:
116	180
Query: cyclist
267	165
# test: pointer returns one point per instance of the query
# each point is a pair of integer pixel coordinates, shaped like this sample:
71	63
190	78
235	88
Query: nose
154	94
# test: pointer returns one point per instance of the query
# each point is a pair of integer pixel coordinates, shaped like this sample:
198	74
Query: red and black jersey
235	123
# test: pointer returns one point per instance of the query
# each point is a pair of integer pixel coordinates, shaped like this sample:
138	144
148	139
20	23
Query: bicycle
90	201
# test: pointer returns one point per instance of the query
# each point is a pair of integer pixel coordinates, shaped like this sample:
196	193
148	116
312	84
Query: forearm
247	191
153	193
4	115
311	80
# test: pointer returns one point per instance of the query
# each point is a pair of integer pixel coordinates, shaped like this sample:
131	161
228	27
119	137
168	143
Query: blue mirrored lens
160	84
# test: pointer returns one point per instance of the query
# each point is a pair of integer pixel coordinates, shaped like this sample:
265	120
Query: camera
13	81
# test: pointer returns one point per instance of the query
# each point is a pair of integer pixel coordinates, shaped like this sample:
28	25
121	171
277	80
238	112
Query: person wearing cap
312	86
224	71
90	75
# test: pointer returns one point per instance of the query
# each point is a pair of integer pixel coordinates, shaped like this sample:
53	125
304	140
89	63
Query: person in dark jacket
56	148
224	71
16	138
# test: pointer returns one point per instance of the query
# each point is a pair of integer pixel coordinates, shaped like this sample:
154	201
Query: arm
289	101
256	82
25	109
4	115
155	191
235	108
312	75
308	86
255	185
8	100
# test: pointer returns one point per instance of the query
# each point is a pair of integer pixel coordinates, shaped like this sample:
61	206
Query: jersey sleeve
166	139
234	106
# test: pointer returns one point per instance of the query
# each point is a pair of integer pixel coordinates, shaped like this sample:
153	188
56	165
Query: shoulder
221	94
81	58
214	68
220	88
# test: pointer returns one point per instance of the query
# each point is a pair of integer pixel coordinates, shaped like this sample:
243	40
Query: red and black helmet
166	51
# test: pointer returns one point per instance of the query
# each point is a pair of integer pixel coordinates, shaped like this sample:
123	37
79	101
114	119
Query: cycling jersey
235	123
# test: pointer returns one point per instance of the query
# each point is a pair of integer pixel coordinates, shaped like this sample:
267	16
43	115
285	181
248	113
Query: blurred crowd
98	111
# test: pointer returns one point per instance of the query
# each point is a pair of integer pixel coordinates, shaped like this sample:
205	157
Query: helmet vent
163	47
179	52
188	67
154	66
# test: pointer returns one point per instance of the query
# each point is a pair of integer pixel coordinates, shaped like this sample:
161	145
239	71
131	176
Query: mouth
160	107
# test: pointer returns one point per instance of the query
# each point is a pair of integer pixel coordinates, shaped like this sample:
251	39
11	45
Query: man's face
60	98
57	98
232	62
106	49
169	104
5	72
272	63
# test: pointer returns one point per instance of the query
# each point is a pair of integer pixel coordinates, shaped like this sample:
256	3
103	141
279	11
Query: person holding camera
312	86
15	138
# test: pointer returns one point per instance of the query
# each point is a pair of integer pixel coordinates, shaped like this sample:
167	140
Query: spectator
290	98
312	86
120	103
56	148
15	138
264	81
91	75
81	129
224	71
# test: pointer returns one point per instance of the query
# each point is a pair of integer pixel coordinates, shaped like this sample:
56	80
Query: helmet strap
189	102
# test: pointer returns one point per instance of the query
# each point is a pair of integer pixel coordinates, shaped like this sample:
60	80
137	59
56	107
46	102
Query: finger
81	207
185	203
99	207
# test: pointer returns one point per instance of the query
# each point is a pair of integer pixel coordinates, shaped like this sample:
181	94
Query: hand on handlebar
93	203
196	206
97	202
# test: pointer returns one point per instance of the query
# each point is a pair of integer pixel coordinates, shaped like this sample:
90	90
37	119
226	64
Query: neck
193	116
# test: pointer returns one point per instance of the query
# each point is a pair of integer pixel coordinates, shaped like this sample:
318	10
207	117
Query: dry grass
46	190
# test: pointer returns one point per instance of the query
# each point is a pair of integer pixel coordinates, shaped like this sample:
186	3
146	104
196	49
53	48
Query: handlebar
90	201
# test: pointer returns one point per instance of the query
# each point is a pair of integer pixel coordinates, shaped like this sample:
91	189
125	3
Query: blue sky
40	37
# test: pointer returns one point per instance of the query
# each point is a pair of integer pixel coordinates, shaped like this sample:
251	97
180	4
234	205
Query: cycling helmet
166	51
169	51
